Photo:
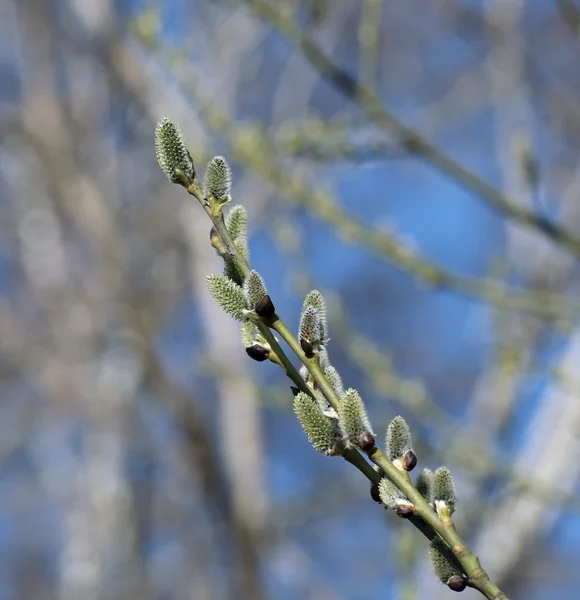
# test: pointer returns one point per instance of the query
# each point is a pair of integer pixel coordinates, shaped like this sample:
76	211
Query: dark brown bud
375	493
258	352
295	391
366	441
409	461
307	348
456	583
265	308
405	510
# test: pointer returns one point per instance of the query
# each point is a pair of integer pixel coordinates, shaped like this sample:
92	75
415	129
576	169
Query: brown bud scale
307	348
409	461
366	441
405	510
258	353
265	308
456	583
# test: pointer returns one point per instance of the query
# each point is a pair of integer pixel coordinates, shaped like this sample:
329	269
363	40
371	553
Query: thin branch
415	143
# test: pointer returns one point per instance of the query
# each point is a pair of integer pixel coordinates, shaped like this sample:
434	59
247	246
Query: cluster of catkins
331	427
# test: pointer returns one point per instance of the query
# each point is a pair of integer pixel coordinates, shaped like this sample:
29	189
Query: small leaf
352	417
218	180
442	561
228	294
424	484
254	289
398	440
172	154
321	431
443	490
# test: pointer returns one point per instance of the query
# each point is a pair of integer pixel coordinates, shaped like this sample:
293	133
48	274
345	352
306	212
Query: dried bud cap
258	353
405	511
409	461
375	495
295	391
254	289
307	348
228	294
265	307
321	431
398	440
456	583
218	180
352	418
366	442
172	154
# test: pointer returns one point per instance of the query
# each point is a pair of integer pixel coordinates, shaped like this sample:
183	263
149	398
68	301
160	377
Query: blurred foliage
144	455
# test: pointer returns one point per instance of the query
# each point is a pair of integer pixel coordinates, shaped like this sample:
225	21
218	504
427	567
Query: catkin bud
236	221
352	417
321	431
391	496
398	441
443	492
424	484
172	154
443	563
228	294
309	330
335	380
254	289
316	300
218	180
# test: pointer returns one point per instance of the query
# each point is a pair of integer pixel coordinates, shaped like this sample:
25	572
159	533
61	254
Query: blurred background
416	161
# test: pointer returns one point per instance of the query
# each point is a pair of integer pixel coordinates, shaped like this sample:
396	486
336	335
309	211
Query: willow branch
424	517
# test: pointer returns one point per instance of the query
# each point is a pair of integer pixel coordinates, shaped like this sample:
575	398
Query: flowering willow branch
335	420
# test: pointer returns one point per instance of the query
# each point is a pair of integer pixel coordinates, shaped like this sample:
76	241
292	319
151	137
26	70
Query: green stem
311	363
290	369
217	218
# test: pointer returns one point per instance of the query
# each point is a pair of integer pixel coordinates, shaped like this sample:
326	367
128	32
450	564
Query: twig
415	143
